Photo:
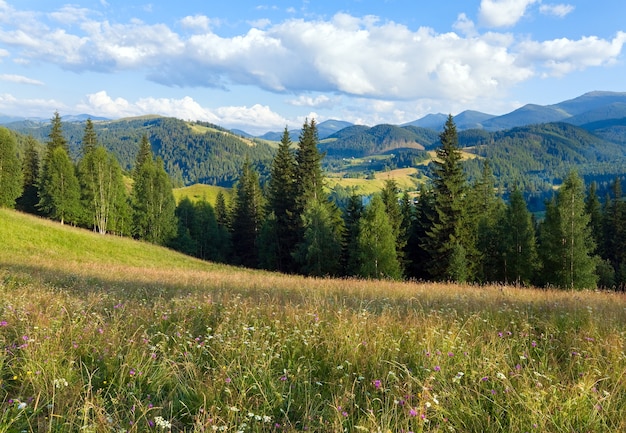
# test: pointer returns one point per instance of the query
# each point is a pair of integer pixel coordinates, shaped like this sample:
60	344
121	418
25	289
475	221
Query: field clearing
108	334
200	191
404	177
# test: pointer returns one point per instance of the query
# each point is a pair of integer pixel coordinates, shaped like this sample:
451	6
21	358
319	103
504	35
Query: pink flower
377	383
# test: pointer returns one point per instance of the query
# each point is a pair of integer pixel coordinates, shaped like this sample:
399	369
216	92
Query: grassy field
200	191
404	177
105	334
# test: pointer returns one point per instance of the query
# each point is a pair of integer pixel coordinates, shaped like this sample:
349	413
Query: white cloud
559	10
29	107
3	53
561	56
309	101
465	26
503	13
70	14
198	22
19	79
258	118
357	56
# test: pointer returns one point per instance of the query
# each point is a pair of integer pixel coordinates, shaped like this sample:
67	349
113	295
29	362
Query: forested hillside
195	152
457	227
537	157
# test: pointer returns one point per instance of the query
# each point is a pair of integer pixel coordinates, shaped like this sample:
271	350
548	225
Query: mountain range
532	147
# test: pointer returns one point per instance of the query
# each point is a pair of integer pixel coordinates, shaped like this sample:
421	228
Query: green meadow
103	334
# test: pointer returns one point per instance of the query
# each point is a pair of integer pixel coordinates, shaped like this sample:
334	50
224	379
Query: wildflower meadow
102	334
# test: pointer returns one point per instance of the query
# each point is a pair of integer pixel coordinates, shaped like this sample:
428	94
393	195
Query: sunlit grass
107	340
200	191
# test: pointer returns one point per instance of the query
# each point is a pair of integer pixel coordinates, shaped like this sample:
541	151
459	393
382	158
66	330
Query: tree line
91	193
453	230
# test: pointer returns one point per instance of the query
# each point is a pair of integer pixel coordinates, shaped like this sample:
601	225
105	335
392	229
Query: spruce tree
282	229
27	202
484	213
445	234
519	249
247	217
377	243
11	184
153	203
566	242
56	137
352	216
308	173
319	253
90	138
59	190
614	245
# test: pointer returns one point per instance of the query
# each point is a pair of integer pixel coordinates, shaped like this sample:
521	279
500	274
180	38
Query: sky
261	65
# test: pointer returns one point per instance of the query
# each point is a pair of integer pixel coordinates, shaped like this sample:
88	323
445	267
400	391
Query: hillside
151	340
193	152
538	156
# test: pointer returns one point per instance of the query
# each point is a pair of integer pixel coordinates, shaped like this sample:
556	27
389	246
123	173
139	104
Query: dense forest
458	228
193	152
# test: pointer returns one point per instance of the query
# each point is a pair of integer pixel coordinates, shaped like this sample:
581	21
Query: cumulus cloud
197	22
28	107
559	10
19	79
503	13
322	101
560	56
258	118
356	56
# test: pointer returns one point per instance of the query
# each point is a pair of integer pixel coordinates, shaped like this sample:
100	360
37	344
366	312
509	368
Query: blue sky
259	66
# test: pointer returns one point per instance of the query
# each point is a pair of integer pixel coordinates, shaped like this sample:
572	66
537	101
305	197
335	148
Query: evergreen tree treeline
453	230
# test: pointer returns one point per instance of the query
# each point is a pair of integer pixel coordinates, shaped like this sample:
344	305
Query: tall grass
107	340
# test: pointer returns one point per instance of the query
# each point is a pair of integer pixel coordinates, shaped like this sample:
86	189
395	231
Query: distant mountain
431	121
535	157
324	130
358	141
470	119
5	119
590	101
529	114
616	110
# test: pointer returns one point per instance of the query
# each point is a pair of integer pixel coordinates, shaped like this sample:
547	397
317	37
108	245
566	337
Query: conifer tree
377	243
281	232
319	253
566	243
11	184
445	234
519	249
308	172
418	257
59	190
27	202
352	216
221	210
153	203
90	138
614	247
56	137
484	213
247	217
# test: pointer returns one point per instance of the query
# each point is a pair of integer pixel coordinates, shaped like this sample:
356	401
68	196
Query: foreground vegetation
109	334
